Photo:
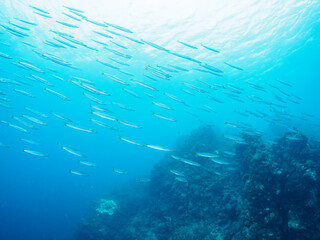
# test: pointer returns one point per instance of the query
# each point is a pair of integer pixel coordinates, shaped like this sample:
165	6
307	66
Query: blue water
39	198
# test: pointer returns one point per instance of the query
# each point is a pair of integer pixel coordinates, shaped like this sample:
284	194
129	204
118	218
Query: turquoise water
272	85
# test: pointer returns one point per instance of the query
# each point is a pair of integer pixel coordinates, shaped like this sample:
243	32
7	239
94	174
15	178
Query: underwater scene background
159	119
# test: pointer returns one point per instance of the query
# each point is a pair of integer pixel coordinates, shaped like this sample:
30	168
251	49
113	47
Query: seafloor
269	190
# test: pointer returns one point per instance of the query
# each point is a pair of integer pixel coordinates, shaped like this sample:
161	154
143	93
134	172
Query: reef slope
265	191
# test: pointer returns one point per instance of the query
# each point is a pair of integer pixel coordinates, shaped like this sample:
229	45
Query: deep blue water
40	198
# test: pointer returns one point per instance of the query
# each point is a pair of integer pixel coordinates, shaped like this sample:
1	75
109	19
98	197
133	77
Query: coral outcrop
107	207
265	190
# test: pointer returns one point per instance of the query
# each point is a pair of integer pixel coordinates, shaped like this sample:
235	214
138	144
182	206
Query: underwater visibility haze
155	120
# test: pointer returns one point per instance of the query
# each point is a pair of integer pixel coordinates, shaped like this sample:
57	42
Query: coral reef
266	191
280	195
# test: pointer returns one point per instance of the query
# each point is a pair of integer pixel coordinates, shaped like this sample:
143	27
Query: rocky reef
261	190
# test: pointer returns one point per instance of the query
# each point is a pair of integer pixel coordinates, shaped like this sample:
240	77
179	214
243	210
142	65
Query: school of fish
117	44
